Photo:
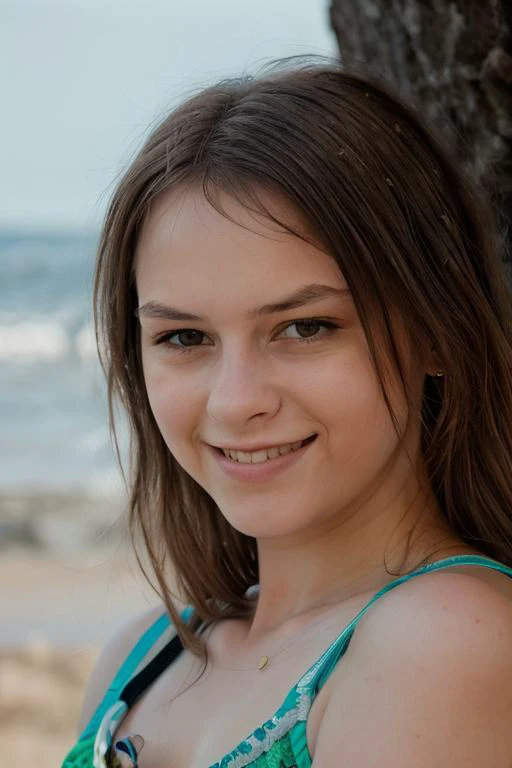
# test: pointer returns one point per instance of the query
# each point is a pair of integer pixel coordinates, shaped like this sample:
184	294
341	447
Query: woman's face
251	345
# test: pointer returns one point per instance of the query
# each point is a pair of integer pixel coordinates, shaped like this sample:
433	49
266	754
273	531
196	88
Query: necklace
264	661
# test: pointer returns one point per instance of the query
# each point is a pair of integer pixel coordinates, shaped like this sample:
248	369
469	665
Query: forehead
186	246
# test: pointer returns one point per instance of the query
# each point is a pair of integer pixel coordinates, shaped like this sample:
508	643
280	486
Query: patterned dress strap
318	674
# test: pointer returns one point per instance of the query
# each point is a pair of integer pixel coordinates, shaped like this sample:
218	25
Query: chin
268	523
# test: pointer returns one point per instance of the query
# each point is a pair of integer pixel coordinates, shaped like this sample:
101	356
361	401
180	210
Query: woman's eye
182	339
307	329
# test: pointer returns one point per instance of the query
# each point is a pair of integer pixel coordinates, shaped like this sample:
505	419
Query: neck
316	572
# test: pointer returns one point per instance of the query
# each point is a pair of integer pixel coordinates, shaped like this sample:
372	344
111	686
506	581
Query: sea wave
30	341
85	342
34	341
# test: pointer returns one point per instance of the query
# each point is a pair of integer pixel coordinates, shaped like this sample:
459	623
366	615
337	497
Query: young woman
300	303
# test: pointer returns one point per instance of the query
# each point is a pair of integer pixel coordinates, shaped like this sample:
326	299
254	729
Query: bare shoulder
442	612
429	674
110	659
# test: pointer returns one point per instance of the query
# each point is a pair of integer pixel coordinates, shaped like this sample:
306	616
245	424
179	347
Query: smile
265	454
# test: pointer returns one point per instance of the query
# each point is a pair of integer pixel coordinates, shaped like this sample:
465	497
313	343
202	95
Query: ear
420	348
427	355
433	365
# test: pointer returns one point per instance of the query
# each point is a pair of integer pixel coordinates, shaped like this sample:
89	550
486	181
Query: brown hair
409	234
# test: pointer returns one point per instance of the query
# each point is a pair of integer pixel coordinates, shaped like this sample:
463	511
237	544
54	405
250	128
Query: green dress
279	742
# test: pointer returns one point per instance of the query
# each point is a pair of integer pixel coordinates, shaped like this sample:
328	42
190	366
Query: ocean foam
85	343
33	341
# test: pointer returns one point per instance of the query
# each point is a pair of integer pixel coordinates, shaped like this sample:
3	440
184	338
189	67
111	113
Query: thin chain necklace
265	660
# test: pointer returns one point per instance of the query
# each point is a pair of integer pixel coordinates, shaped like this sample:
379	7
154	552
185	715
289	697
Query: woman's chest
193	723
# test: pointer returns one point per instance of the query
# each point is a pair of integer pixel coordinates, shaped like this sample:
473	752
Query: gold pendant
263	662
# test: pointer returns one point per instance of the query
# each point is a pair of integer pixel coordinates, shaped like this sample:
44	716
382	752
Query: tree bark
453	60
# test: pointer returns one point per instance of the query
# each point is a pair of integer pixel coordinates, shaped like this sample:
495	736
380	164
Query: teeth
242	457
258	457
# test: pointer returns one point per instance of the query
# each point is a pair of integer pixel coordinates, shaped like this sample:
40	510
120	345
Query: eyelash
328	325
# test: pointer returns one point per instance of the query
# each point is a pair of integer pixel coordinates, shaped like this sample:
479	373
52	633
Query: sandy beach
41	691
68	580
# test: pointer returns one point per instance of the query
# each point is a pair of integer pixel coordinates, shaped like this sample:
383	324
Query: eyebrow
306	294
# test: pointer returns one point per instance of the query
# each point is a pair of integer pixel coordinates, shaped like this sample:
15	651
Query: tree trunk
453	59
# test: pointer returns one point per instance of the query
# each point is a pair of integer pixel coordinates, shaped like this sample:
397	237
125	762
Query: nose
242	388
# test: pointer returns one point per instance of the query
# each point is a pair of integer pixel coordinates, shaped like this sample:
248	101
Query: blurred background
82	81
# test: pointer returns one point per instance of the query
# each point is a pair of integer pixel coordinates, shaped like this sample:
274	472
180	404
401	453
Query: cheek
172	404
346	392
350	404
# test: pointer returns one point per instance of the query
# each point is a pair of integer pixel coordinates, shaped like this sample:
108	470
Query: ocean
63	539
53	412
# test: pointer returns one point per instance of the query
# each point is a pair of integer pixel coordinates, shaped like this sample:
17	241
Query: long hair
410	236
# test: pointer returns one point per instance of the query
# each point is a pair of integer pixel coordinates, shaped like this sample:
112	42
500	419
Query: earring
439	373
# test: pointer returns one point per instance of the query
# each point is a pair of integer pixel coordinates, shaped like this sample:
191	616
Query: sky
82	80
